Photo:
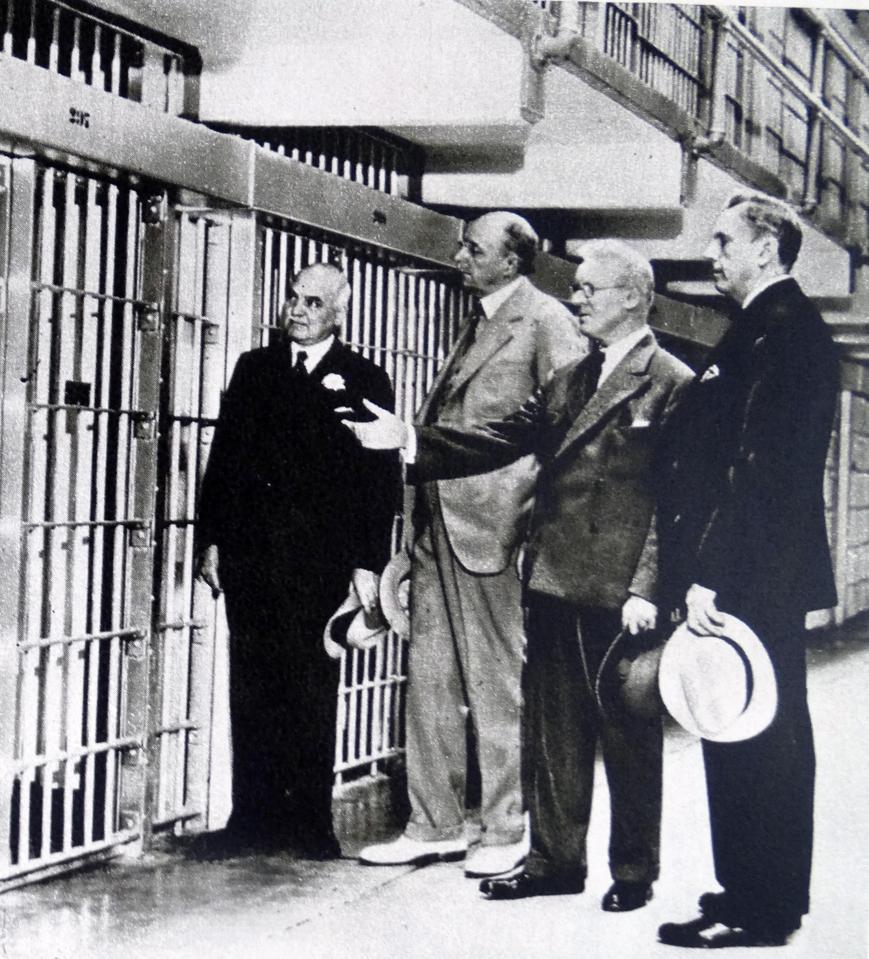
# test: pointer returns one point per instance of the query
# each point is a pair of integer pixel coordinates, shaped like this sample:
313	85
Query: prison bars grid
185	632
662	44
775	84
79	522
370	157
75	43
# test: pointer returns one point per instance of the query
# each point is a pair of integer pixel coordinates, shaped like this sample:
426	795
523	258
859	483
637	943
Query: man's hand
638	615
387	432
367	586
207	569
703	616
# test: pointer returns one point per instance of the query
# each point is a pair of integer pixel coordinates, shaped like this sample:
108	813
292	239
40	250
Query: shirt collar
765	285
617	351
492	302
314	353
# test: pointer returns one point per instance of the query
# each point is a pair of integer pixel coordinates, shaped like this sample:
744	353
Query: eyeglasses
588	290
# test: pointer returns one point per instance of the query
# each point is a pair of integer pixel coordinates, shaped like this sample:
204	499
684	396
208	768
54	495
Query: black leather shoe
705	933
718	907
714	906
521	885
624	896
319	847
219	845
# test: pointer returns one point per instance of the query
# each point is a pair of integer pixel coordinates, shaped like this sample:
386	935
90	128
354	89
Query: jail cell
77	43
85	528
187	626
402	315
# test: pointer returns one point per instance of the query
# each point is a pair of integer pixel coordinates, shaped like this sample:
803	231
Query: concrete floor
163	905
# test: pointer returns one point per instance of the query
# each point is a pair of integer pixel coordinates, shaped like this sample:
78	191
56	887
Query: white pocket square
639	424
710	374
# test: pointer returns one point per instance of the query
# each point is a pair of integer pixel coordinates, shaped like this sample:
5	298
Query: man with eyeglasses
591	573
289	513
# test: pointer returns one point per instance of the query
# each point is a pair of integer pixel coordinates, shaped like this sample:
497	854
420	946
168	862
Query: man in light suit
743	532
289	513
466	619
591	564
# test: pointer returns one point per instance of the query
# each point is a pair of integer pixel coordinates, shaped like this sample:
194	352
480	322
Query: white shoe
494	860
405	851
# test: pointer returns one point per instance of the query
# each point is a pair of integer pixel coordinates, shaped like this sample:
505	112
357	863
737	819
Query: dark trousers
761	795
283	696
561	729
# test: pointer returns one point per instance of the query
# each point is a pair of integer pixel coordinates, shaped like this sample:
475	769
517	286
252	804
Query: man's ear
511	261
767	249
632	296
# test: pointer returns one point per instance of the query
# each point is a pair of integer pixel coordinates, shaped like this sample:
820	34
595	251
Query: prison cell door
208	324
82	350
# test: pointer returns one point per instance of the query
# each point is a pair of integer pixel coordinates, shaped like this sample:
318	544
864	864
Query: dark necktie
593	368
299	365
468	335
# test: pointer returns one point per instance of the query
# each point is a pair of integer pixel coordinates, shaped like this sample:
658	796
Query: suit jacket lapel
491	336
493	332
440	379
625	380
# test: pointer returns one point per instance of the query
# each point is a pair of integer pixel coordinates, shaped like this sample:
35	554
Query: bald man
467	638
289	514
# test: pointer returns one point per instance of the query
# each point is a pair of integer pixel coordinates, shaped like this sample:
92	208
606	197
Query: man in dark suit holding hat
742	531
591	573
291	510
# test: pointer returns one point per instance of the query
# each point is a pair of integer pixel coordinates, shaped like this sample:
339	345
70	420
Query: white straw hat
720	688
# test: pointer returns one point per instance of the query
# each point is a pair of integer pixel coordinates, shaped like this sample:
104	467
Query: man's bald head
496	248
317	305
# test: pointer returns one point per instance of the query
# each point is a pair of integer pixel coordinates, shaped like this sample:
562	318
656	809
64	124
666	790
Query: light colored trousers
465	658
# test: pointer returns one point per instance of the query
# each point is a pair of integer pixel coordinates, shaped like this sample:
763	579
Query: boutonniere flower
710	374
335	382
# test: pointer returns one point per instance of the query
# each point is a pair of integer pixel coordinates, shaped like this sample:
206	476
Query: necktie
468	335
299	365
586	378
593	369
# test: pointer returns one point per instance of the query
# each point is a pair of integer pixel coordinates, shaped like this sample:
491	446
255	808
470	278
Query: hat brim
350	627
634	695
760	709
394	581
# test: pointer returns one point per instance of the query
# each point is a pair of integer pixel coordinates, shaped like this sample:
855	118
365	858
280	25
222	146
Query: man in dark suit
591	572
465	654
742	531
291	510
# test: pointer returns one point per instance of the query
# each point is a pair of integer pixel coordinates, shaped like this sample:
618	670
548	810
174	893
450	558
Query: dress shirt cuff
409	451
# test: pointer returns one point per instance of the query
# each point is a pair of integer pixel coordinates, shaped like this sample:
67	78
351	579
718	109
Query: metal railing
662	44
778	89
76	43
364	156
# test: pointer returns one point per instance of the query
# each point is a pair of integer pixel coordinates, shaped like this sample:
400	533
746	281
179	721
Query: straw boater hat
353	627
720	688
395	593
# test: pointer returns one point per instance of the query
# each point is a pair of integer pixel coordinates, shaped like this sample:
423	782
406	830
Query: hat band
746	665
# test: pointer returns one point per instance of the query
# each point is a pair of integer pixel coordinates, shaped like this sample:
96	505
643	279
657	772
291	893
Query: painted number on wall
79	117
